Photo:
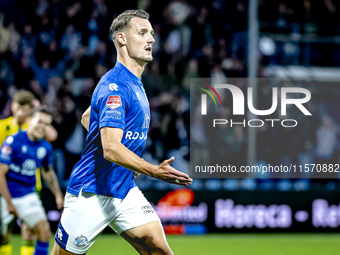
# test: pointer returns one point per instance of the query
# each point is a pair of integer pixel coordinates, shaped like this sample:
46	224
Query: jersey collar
128	72
28	139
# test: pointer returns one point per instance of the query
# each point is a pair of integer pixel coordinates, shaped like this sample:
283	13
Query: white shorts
29	208
85	217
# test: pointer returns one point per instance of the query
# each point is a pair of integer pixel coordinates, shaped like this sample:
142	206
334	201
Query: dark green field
234	244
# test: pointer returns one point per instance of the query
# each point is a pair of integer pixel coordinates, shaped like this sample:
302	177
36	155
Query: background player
101	190
22	106
21	155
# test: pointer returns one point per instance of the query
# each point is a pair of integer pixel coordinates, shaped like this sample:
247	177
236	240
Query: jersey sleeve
7	151
48	160
113	106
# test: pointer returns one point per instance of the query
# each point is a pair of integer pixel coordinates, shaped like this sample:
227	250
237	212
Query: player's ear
121	38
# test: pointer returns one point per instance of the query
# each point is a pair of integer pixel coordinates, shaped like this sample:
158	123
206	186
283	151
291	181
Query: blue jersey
23	157
119	101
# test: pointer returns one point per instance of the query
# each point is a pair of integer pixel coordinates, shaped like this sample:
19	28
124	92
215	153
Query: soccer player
21	154
101	190
22	107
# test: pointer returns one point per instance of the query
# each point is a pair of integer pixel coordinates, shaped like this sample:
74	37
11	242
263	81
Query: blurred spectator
70	40
42	73
326	140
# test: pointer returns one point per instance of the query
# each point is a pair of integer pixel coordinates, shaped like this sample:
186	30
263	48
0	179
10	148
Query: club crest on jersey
113	102
80	241
24	149
113	86
41	152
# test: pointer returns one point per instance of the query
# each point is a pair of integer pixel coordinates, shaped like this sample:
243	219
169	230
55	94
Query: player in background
22	106
21	154
101	189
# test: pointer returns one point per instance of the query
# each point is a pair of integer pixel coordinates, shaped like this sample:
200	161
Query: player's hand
59	200
169	174
12	210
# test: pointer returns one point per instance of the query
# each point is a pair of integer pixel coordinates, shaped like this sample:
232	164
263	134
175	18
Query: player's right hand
12	210
169	174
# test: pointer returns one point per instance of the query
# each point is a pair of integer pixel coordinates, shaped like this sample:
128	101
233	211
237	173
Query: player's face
21	112
38	124
139	39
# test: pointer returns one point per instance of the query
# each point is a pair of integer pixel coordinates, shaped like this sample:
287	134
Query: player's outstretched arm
116	152
52	182
4	189
85	118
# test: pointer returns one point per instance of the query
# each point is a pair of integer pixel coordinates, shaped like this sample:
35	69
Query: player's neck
131	64
15	121
31	137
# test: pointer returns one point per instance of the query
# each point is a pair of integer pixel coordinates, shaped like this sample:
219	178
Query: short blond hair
24	97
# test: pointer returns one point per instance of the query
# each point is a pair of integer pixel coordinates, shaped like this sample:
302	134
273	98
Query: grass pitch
224	244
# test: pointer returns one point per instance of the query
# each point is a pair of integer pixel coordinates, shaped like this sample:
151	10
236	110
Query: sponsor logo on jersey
136	135
24	149
9	140
41	152
113	86
6	150
81	241
28	167
117	115
14	167
113	102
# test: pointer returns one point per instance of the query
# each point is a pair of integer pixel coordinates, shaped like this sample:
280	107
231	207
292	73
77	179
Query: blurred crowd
59	50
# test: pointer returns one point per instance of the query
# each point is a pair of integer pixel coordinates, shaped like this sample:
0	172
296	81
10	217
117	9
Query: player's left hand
169	174
59	200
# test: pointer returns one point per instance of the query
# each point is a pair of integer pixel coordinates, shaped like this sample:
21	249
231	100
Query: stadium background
59	50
